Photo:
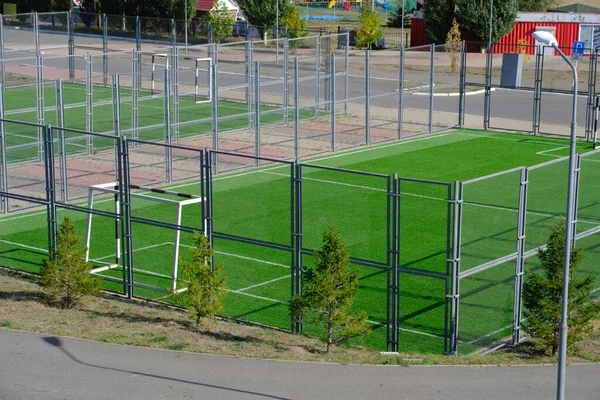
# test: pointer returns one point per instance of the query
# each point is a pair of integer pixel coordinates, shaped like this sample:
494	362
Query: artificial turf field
21	105
256	204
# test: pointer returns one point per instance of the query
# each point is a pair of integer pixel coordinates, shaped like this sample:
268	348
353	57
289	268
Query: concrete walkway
49	367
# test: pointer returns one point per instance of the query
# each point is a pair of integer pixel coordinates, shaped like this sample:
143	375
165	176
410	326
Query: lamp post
490	38
548	39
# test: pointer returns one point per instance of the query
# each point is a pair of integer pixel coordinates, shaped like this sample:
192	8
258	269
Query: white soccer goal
200	70
113	188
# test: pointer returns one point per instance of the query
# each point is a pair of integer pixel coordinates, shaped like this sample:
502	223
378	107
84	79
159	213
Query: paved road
49	367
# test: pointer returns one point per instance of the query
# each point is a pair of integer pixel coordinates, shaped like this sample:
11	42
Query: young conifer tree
542	295
329	289
66	275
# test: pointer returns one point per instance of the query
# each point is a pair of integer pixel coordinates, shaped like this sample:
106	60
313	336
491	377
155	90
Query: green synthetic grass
21	105
256	204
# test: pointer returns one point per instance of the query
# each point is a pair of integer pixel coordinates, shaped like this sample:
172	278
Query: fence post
125	215
3	165
520	262
257	111
296	111
488	83
286	77
296	270
332	99
138	33
39	76
537	91
136	78
463	76
401	93
248	80
60	121
318	75
367	97
71	44
104	48
215	104
173	34
431	83
453	280
589	110
167	123
2	61
89	99
175	71
393	284
346	67
50	189
36	33
326	92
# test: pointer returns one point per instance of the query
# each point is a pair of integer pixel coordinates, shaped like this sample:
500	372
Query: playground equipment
384	4
345	4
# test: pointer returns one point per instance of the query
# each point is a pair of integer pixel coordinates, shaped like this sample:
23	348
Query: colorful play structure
347	4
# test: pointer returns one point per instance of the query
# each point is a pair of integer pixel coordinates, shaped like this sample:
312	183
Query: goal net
163	207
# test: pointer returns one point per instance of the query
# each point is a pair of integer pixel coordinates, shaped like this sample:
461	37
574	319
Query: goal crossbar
113	188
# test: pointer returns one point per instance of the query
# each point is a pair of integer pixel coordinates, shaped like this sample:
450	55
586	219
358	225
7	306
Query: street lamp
548	39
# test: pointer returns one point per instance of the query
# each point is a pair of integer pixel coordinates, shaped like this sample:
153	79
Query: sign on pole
578	48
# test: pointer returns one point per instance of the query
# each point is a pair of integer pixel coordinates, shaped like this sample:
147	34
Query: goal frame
113	188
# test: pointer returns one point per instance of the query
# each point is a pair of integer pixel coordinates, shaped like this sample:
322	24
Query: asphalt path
49	367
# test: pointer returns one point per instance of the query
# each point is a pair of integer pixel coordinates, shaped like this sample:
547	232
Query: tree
66	276
537	5
395	18
88	8
263	13
453	45
62	5
296	27
112	7
329	289
369	31
206	285
41	5
221	22
474	17
438	16
542	295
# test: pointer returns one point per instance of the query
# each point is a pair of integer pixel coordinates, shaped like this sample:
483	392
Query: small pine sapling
66	275
329	289
205	284
542	295
454	45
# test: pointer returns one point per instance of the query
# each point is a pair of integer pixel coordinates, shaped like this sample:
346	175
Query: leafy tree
206	285
221	21
395	18
329	289
62	5
537	5
453	45
263	13
438	16
66	276
41	5
88	7
542	295
474	17
113	7
296	27
369	31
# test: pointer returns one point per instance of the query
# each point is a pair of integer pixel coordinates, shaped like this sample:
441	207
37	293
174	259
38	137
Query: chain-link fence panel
588	197
18	31
355	203
490	217
53	30
424	225
446	86
384	96
416	90
255	204
547	200
486	307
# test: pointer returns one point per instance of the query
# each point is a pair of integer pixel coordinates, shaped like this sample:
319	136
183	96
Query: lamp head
545	38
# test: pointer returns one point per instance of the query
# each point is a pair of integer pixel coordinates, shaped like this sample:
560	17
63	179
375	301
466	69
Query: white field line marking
141	248
262	283
241	257
503	138
588	160
551	150
487	335
23	245
258	297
